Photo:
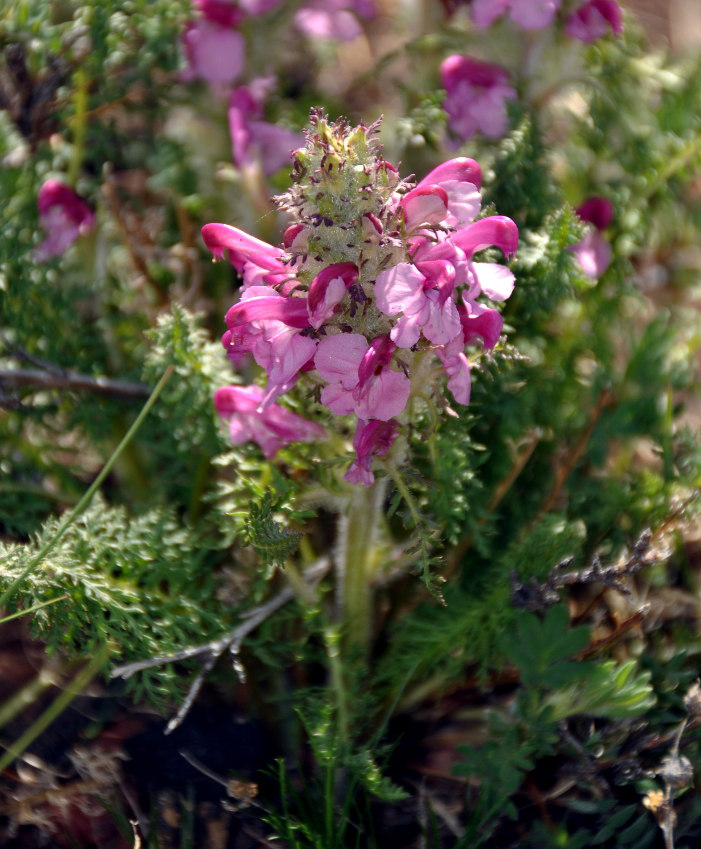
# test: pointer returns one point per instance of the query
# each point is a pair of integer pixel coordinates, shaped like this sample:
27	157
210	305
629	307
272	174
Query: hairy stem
359	532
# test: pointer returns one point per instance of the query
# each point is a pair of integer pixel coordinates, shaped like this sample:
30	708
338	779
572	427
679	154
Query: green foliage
554	687
576	437
271	541
144	586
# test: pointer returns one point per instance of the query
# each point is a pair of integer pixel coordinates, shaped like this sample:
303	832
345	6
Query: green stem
359	533
80	99
32	609
87	498
333	652
61	702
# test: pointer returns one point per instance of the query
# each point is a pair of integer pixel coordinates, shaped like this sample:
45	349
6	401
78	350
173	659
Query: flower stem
359	532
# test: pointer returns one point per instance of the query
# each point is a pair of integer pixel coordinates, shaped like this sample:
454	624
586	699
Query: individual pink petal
64	216
424	205
407	330
269	307
456	69
222	12
339	400
384	396
534	14
464	202
372	226
329	24
284	354
480	322
338	358
399	289
457	367
496	281
460	168
443	322
495	230
377	356
240	247
484	12
214	53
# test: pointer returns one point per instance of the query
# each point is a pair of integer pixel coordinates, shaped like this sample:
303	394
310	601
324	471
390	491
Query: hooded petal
241	247
424	205
328	289
459	169
495	230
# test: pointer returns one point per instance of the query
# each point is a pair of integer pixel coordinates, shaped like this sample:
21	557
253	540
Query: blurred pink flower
214	53
271	427
593	253
595	19
64	216
530	14
254	140
335	20
476	97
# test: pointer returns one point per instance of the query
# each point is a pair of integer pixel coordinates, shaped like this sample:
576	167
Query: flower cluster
530	14
375	291
215	50
589	22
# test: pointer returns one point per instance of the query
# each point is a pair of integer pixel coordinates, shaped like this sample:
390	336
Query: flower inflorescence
375	284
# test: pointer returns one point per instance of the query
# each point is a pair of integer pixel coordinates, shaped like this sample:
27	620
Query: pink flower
423	301
333	20
271	427
372	439
254	140
359	378
268	325
64	216
594	20
328	289
593	253
530	14
214	53
257	261
476	97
